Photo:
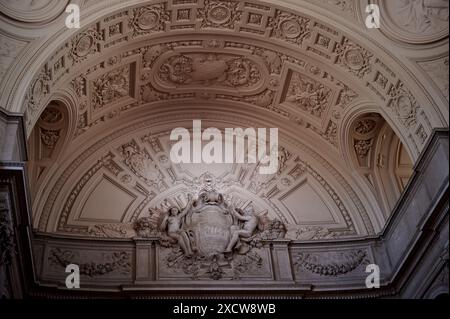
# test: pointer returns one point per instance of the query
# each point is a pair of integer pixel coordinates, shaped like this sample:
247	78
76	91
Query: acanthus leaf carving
49	137
110	87
362	147
308	94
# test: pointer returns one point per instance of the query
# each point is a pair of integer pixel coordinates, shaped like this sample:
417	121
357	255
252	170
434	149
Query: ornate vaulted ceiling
103	99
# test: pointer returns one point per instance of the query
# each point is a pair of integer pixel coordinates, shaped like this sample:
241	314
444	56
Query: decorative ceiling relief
112	107
205	67
252	76
85	44
364	135
248	61
40	88
353	57
140	181
211	238
110	87
403	104
290	27
47	139
309	95
417	21
192	70
141	164
220	14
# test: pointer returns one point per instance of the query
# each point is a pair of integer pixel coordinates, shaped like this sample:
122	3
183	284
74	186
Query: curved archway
379	156
274	192
47	141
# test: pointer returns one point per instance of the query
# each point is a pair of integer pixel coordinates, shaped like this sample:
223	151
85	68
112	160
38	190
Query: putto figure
250	223
173	224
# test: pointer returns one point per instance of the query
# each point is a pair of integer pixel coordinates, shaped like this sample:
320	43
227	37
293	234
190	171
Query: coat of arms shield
211	228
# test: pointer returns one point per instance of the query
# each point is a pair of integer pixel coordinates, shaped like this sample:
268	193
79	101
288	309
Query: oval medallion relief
209	70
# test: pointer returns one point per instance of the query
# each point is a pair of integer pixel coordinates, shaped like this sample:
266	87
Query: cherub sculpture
172	224
250	222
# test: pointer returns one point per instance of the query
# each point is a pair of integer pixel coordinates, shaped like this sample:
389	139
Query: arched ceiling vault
136	68
340	209
357	59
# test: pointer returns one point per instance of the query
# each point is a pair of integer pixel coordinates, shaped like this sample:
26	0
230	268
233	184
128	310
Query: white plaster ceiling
137	69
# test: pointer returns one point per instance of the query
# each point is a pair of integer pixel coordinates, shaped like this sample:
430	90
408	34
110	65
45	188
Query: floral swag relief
209	235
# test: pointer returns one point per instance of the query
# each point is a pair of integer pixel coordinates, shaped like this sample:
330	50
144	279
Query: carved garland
345	262
120	261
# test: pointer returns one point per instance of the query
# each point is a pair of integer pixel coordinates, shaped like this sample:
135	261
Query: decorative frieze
114	262
330	263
